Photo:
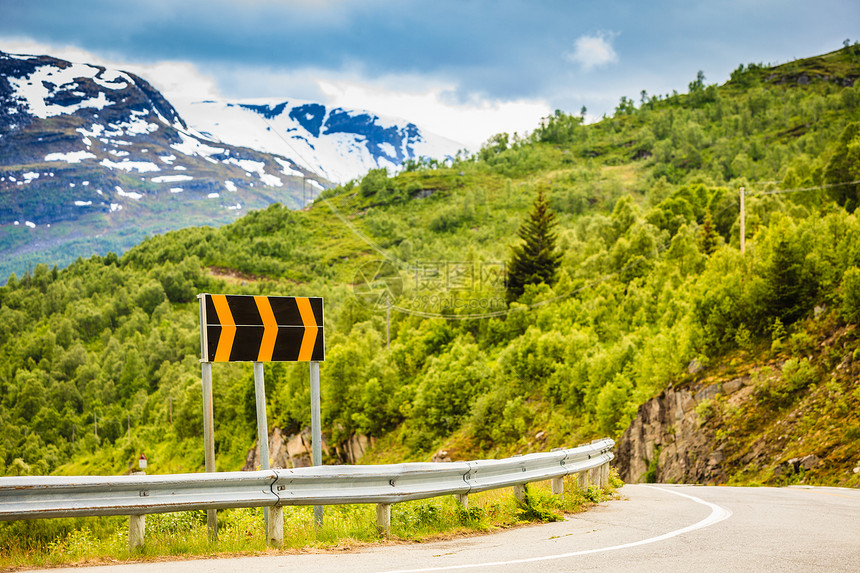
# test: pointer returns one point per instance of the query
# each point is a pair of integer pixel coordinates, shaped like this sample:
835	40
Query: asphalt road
651	529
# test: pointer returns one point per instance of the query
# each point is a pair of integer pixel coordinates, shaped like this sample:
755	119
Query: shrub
537	505
850	309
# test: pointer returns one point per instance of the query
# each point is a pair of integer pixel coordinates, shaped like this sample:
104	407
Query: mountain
339	144
94	160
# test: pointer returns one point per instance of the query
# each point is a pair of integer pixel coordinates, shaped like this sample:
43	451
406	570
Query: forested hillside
652	292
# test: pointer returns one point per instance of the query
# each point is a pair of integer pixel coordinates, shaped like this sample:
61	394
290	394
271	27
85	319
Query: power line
500	313
272	128
370	242
798	190
497	314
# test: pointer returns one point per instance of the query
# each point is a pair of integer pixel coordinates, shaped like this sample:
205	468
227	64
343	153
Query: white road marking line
717	515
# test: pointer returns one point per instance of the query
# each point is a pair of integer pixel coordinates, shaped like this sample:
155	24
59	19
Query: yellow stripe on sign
270	332
309	339
228	328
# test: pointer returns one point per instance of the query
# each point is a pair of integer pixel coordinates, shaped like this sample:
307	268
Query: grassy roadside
176	536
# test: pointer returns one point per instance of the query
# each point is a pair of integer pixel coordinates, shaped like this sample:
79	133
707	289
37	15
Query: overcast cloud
463	68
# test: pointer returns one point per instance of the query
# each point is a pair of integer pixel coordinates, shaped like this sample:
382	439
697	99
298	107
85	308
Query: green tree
375	181
536	260
844	168
791	288
851	295
708	235
698	84
559	128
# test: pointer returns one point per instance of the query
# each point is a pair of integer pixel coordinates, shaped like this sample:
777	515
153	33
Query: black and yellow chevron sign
243	328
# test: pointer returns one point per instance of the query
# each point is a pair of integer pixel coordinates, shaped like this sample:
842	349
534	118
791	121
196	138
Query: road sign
244	328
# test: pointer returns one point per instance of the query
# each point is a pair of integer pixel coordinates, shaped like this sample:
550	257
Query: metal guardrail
57	496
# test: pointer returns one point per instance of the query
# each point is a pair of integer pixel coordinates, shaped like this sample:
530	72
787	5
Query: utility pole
743	223
96	424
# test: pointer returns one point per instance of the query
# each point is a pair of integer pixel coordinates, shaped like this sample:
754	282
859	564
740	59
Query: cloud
593	51
435	104
175	79
434	108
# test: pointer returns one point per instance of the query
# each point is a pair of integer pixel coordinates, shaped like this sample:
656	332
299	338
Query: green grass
94	541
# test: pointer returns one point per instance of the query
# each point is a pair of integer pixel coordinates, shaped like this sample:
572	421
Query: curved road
655	528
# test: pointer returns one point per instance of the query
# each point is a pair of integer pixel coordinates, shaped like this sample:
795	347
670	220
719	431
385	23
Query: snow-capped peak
336	143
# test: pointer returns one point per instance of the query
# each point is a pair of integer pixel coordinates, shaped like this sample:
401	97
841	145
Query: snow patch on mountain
171	178
336	143
138	166
70	157
53	90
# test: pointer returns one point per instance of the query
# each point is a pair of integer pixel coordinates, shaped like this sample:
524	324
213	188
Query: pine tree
708	235
536	260
790	288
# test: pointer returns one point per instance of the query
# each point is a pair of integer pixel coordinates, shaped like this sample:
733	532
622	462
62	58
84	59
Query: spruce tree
535	260
708	235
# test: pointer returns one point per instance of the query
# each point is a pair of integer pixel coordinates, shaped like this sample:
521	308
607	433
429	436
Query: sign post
209	442
262	427
243	328
316	432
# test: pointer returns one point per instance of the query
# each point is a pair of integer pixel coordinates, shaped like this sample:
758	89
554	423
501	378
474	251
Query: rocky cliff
668	441
788	414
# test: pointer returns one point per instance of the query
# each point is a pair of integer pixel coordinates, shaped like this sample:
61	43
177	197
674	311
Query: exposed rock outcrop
667	441
296	451
354	449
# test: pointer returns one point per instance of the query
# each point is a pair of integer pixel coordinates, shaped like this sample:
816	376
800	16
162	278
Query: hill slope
652	287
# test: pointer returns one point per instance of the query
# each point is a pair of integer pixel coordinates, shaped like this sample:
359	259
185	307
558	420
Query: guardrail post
136	530
604	476
558	485
582	480
136	526
594	477
383	519
463	499
275	526
520	491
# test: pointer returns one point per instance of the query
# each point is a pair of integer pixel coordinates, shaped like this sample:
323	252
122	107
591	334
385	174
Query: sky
464	69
